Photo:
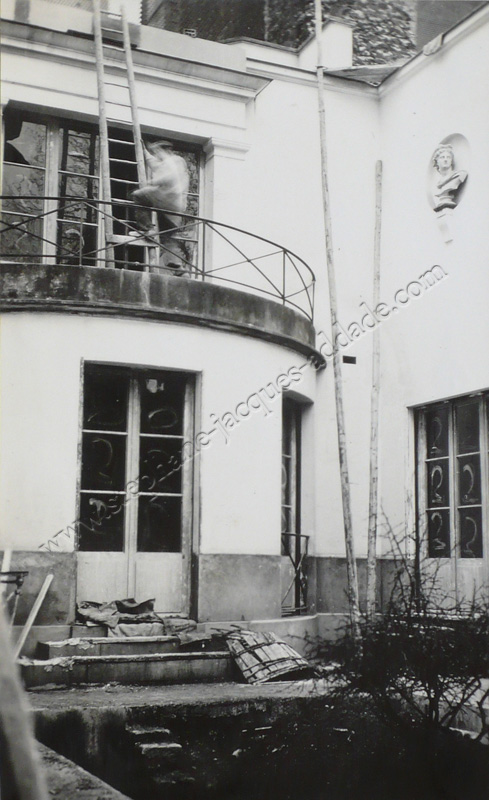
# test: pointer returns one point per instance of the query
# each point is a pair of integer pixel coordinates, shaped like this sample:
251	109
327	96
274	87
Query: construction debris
263	657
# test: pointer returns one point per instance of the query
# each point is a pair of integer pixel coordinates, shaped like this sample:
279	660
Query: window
452	480
134	490
293	544
49	165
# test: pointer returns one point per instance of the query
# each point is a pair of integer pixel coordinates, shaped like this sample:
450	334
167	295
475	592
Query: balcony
92	255
88	255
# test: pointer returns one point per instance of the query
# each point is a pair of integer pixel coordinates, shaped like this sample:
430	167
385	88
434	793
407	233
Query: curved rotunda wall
237	475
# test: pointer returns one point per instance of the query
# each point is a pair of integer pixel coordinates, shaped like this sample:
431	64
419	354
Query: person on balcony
166	190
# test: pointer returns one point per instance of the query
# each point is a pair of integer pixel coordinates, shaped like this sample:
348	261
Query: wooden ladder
111	33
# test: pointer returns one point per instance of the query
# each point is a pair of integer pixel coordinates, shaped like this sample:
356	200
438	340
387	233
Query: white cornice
166	70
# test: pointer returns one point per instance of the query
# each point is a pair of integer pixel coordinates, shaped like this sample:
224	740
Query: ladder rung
119	122
113	47
120	85
112	30
124	180
122	141
122	160
116	103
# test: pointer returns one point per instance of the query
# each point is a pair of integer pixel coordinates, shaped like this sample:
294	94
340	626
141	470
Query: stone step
159	751
163	668
143	733
108	646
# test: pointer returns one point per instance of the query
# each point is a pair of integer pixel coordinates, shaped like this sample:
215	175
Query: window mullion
132	482
453	495
484	462
187	485
51	190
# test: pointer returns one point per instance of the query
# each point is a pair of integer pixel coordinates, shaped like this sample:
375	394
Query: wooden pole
131	82
21	757
152	251
333	303
7	556
104	135
33	614
373	501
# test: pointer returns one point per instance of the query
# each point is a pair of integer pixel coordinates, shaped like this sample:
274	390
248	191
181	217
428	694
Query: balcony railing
294	599
71	232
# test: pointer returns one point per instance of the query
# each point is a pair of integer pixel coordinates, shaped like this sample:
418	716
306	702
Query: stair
162	761
106	646
127	660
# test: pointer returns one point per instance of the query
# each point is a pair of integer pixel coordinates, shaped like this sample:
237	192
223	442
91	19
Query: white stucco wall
436	347
263	174
240	479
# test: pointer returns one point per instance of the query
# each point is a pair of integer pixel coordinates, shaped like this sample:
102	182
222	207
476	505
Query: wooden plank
33	614
21	757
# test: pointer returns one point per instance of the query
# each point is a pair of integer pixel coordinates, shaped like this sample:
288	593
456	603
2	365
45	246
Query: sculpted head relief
449	179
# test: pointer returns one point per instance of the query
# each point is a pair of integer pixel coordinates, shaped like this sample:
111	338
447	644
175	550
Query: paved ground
67	780
178	695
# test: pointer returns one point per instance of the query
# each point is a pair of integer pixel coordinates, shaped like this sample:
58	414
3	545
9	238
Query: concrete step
163	668
160	752
142	733
108	646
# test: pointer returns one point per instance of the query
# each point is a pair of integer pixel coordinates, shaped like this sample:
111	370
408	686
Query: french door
135	498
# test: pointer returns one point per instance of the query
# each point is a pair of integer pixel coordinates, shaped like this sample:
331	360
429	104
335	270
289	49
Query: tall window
453	476
24	180
294	544
134	482
51	163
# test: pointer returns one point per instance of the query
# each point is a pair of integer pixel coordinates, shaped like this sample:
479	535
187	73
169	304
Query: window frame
293	543
455	555
133	375
55	122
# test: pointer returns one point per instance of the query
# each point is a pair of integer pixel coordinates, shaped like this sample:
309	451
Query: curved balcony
121	255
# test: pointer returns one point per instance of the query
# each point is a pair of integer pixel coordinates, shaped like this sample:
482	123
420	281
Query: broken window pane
25	141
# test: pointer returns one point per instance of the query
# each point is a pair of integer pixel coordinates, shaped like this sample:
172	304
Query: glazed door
134	527
453	495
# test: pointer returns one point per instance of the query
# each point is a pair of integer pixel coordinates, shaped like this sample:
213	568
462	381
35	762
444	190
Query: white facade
253	110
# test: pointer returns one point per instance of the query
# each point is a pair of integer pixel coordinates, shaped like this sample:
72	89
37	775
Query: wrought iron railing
70	231
294	599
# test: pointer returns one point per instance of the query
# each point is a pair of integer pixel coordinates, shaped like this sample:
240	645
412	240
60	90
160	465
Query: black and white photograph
244	400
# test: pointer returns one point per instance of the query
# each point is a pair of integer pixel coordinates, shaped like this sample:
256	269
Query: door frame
189	489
